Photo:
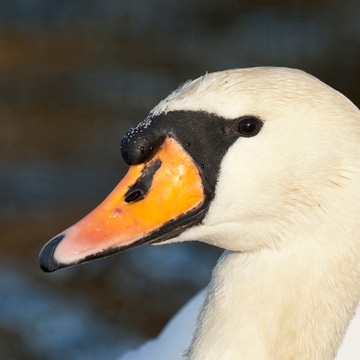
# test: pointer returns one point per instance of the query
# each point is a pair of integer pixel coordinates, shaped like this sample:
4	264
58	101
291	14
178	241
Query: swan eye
248	126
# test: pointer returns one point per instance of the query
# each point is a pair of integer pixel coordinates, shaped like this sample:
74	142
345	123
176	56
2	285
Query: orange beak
154	202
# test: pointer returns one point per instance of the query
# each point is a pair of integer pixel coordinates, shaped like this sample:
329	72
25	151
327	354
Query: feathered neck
290	303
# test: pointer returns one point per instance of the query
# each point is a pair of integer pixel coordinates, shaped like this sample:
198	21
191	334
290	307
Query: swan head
239	159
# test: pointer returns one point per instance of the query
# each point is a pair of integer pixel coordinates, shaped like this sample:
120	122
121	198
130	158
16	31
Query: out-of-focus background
74	76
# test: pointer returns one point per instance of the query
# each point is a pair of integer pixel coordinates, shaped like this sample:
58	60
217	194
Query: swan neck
292	303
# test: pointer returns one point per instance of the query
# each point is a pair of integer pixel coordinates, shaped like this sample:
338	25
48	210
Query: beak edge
46	256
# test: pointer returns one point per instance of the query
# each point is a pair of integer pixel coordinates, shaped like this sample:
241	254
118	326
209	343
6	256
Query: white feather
287	209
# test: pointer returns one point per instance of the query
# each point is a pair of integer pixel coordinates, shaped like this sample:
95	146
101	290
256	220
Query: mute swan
264	163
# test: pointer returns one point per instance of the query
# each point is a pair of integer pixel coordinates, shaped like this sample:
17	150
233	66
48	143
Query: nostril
133	196
143	184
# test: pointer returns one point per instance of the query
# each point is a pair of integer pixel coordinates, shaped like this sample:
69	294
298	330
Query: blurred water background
74	76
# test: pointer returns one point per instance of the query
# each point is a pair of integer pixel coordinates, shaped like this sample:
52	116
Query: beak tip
46	256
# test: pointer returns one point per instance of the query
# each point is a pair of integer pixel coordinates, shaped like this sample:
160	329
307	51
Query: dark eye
248	126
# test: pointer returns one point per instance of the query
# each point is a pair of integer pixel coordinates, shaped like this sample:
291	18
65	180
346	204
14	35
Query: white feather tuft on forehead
231	93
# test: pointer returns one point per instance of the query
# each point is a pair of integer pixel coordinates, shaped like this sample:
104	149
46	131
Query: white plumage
287	212
175	338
